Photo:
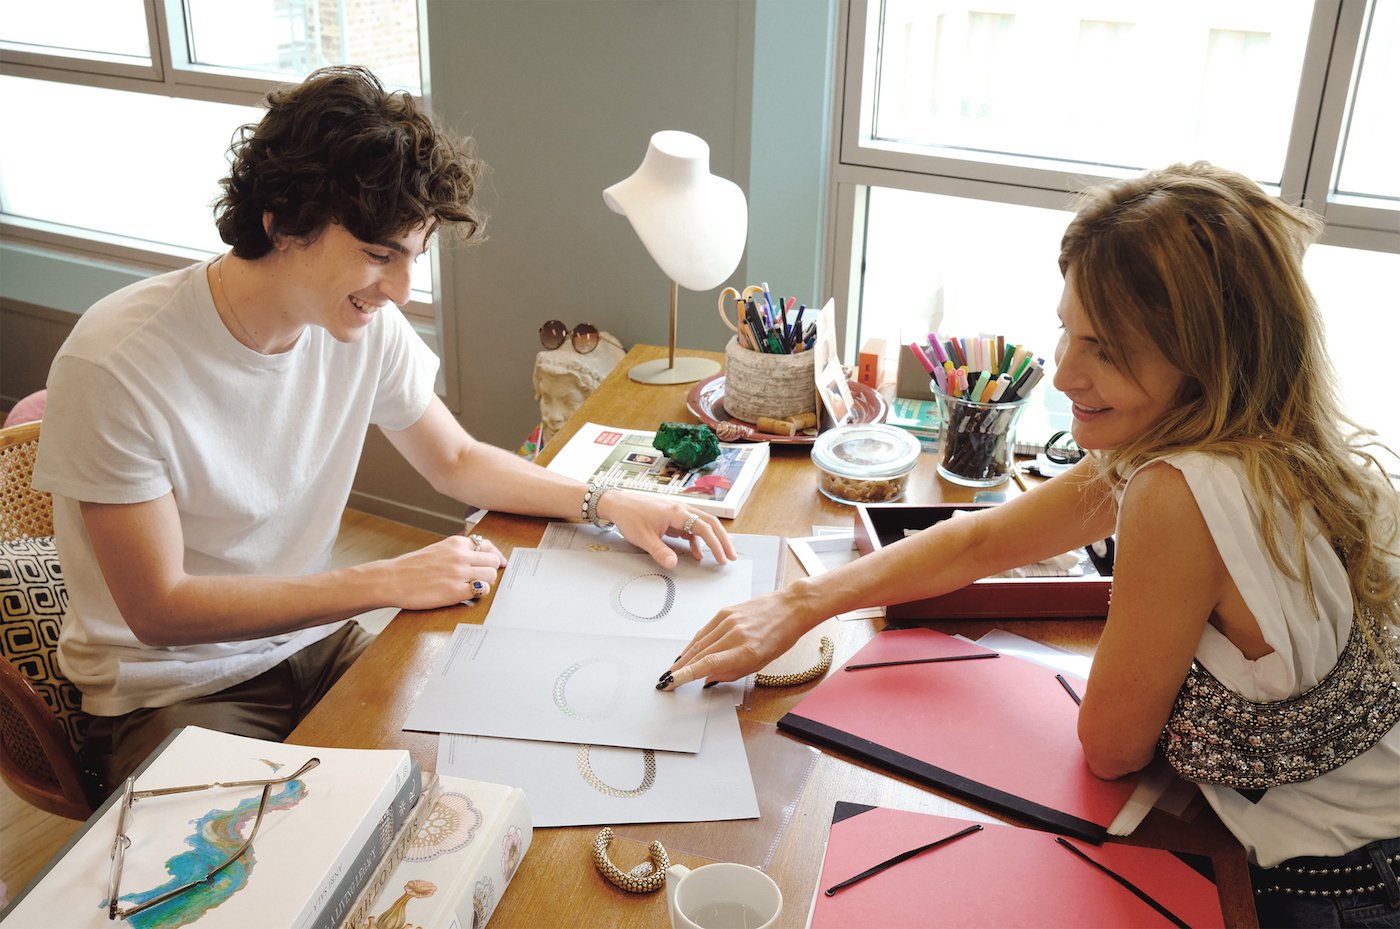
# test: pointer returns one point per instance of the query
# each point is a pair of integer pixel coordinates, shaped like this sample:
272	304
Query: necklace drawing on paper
609	707
668	598
585	768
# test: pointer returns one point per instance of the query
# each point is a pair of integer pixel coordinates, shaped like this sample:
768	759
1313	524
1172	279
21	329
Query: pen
1020	481
1068	689
890	664
902	856
1137	892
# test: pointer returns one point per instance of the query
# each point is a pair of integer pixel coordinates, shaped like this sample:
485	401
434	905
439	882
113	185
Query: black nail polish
664	679
710	684
662	685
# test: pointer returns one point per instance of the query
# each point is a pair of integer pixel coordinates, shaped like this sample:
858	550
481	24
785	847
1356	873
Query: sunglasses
585	336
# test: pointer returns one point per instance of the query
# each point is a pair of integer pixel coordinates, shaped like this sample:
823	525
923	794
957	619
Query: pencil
902	856
1139	893
1020	481
890	664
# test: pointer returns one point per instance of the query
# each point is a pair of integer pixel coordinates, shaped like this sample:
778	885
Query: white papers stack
556	692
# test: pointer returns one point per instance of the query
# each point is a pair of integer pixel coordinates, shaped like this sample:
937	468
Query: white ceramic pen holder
758	384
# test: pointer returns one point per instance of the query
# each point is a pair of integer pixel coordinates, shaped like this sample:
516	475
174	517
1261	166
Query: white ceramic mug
722	896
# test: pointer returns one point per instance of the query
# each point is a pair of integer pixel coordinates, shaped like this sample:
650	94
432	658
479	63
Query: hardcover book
315	830
454	871
625	458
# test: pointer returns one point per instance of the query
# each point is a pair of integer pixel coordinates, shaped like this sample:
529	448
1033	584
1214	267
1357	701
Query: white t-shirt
151	394
1349	806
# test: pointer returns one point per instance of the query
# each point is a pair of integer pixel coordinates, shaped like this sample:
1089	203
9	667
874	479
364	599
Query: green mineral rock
689	445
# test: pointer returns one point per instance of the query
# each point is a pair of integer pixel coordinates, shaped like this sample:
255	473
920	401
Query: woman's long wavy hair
340	148
1203	264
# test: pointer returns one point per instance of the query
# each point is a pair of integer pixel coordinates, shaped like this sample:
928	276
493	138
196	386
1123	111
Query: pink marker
922	358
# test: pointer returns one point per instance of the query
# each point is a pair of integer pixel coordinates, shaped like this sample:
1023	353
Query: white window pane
103	27
1372	146
1133	83
158	187
964	268
1355	289
294	37
128	164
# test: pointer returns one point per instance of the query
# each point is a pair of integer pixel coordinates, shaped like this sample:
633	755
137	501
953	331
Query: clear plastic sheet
780	769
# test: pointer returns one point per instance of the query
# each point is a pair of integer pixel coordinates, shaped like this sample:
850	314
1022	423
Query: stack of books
453	871
324	842
917	417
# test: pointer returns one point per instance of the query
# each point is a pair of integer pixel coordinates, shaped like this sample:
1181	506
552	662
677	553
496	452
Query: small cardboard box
882	524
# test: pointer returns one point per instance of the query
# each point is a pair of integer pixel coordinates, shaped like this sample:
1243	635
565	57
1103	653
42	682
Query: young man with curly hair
204	426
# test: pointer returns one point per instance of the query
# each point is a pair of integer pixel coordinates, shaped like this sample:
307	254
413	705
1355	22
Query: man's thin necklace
219	273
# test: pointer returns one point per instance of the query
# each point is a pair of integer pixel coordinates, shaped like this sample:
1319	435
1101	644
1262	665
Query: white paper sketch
615	593
562	687
574	785
762	550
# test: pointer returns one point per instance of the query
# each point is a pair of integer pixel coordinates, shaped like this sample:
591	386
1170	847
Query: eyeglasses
554	332
122	842
1062	449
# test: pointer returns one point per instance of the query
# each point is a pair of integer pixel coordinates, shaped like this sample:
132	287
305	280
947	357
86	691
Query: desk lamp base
684	371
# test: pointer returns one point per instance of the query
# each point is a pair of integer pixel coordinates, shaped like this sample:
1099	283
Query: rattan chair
40	722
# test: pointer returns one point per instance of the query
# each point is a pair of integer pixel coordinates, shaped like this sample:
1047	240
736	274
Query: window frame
171	73
1326	87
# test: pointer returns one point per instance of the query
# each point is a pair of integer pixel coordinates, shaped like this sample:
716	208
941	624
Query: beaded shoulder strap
1215	736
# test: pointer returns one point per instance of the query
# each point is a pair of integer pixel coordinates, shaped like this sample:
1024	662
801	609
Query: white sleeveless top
1348	806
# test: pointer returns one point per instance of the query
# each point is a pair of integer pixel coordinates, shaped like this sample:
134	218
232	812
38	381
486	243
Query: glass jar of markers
979	440
981	385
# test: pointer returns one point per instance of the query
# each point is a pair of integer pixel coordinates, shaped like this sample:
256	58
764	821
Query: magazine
626	459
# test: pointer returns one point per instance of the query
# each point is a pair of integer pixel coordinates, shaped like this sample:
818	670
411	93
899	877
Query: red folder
1000	876
1001	731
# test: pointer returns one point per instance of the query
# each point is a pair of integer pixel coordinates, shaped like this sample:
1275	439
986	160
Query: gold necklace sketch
585	768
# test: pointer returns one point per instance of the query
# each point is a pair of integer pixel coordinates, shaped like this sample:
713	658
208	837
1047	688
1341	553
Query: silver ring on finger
476	541
689	521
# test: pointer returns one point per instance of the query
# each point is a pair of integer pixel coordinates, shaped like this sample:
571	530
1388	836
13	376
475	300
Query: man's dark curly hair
339	148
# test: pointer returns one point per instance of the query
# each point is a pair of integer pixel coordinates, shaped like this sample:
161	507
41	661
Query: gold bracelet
801	677
644	878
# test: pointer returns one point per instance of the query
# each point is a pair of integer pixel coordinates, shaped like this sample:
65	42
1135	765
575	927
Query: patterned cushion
33	599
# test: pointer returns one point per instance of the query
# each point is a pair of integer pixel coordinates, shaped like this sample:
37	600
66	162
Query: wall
562	97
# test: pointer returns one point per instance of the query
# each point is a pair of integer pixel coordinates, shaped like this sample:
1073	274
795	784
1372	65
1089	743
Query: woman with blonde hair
1256	599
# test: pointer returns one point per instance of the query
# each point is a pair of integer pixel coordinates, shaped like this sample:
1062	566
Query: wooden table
557	884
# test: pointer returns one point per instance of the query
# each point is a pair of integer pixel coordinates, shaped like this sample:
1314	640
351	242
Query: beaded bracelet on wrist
591	497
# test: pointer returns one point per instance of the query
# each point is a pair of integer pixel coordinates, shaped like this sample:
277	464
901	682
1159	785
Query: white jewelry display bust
694	226
692	223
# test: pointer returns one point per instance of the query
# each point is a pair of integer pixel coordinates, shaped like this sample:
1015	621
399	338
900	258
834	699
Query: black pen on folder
902	856
890	664
1137	891
1068	689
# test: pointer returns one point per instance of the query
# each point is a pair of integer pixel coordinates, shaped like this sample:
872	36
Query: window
966	127
138	101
